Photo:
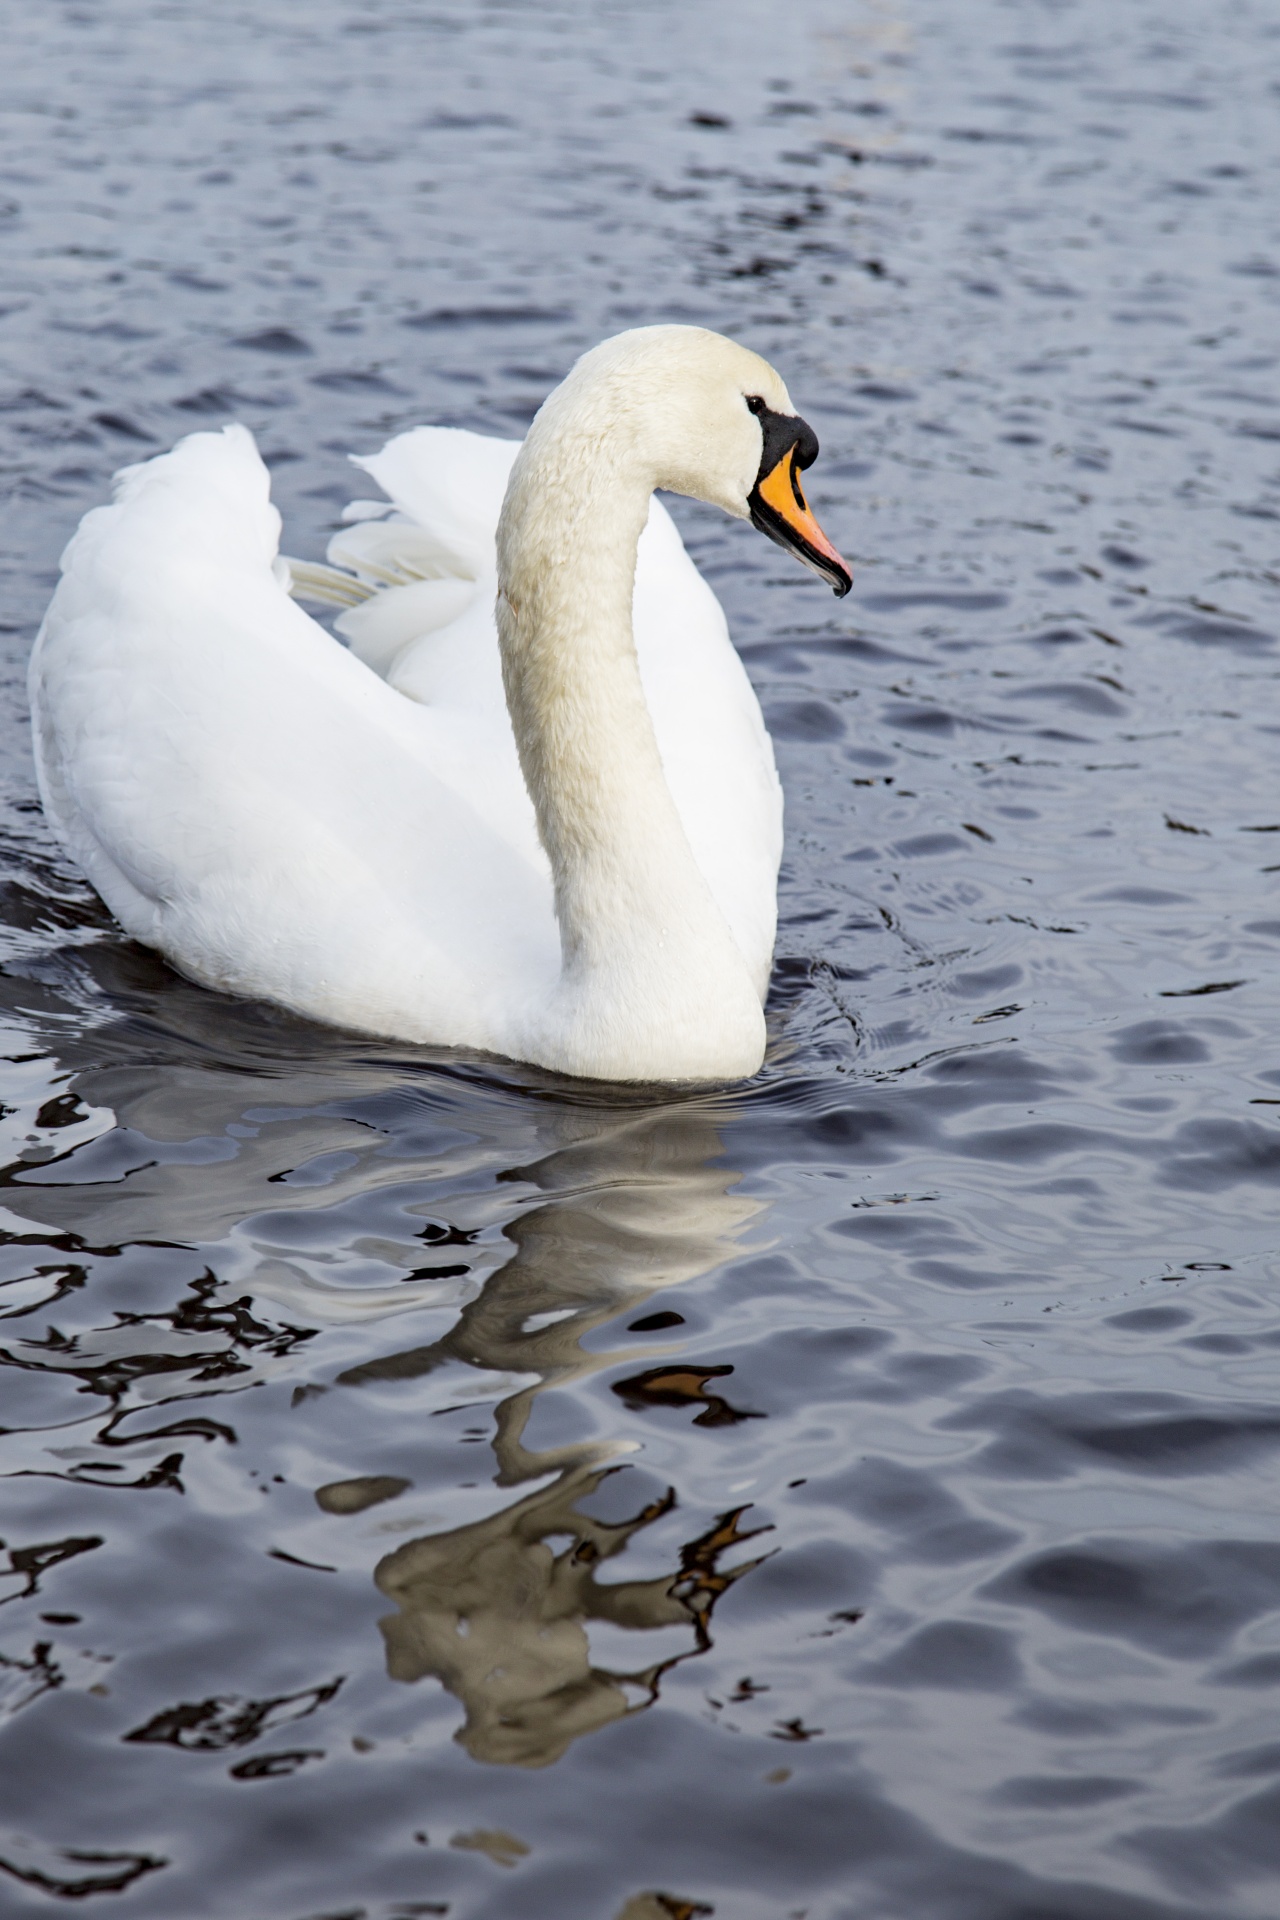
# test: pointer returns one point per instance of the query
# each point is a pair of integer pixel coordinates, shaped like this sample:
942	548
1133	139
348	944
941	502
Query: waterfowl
531	809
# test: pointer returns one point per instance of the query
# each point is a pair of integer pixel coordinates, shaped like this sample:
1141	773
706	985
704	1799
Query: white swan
582	874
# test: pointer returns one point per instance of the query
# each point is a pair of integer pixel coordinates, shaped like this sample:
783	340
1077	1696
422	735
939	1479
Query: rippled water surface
433	1488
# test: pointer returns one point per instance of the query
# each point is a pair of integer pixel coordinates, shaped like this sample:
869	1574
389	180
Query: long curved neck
647	957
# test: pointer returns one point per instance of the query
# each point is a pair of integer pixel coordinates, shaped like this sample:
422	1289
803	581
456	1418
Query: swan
531	809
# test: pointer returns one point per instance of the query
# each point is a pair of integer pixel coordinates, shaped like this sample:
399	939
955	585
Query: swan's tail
330	586
366	558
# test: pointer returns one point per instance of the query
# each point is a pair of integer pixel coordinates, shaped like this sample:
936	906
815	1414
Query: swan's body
593	891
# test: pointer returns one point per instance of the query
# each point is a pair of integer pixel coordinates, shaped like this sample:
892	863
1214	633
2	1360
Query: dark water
437	1489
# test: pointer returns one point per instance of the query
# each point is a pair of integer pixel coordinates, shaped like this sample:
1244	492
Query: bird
522	802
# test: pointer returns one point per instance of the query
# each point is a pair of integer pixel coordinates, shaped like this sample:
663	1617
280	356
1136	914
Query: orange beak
779	508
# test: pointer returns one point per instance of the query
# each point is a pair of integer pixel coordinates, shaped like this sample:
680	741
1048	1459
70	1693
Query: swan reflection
499	1617
350	1187
494	1610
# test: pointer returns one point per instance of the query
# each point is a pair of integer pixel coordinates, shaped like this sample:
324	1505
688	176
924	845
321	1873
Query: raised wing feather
247	796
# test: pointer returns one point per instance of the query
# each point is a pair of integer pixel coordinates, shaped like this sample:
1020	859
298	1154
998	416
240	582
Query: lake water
434	1488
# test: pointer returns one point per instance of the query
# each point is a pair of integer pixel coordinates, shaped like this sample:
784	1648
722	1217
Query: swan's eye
755	404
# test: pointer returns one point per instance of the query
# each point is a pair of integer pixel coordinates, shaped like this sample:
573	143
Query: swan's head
698	414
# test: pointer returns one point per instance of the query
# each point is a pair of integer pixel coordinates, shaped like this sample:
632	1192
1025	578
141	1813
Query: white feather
349	833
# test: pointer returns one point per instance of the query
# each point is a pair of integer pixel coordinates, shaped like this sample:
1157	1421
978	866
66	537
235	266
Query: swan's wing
249	798
451	484
387	624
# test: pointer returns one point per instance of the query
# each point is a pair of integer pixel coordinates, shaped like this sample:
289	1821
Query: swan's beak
777	502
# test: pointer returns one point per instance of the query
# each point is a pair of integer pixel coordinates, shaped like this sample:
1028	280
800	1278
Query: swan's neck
652	983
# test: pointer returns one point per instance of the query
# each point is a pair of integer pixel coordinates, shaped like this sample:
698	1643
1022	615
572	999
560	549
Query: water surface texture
433	1488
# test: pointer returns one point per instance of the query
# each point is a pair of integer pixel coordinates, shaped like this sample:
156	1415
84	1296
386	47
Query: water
440	1489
